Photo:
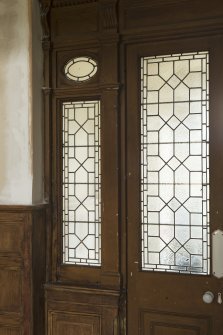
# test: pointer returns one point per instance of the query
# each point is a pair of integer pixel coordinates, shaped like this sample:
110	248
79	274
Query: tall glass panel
81	183
175	163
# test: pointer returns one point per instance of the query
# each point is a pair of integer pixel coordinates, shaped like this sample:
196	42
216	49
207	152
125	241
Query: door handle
208	297
219	300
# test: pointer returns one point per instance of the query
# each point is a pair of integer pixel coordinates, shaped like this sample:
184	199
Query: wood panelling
161	19
83	20
11	234
62	3
159	323
6	330
11	289
73	323
10	321
22	269
79	28
75	310
38	270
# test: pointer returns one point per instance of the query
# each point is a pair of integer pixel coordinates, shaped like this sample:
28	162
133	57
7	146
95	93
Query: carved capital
46	90
46	44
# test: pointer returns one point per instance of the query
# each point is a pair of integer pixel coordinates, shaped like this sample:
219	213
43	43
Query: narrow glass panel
175	163
81	183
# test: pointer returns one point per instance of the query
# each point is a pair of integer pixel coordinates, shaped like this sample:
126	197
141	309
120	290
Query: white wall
17	150
37	121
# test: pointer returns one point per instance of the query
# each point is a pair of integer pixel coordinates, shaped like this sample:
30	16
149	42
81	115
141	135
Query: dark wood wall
22	269
80	301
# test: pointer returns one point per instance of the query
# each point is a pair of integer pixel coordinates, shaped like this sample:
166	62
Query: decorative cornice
65	3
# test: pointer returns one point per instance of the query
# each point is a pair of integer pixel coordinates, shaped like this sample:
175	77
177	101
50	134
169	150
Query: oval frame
86	74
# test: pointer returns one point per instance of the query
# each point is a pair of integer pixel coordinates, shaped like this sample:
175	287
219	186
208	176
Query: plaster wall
36	107
17	100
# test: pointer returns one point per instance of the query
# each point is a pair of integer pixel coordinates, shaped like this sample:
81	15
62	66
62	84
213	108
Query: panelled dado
78	310
22	269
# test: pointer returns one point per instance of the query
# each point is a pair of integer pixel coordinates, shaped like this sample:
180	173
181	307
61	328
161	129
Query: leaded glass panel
80	69
175	163
81	183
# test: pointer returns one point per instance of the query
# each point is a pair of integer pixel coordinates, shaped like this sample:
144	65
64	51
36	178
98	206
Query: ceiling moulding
64	3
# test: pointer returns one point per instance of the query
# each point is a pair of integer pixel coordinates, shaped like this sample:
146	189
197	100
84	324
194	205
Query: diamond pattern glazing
175	163
81	183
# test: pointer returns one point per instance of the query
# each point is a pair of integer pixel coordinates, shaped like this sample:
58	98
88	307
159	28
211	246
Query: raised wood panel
56	294
7	330
22	269
11	232
11	290
11	237
75	310
161	323
162	329
72	323
74	23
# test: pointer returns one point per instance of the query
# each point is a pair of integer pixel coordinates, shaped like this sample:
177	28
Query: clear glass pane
175	161
81	183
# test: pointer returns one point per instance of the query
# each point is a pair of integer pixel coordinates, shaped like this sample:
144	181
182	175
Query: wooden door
169	225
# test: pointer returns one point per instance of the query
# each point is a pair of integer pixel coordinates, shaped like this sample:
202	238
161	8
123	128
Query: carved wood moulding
64	3
110	19
45	6
153	3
